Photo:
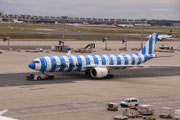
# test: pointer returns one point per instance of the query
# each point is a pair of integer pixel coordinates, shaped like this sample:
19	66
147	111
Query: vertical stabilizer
149	47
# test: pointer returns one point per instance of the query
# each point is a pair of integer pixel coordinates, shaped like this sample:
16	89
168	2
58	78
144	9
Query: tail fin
115	24
150	44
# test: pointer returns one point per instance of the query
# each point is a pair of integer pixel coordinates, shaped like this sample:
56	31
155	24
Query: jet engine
98	72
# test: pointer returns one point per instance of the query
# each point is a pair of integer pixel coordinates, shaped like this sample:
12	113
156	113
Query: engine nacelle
99	72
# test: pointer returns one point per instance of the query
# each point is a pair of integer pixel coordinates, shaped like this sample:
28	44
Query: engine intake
99	72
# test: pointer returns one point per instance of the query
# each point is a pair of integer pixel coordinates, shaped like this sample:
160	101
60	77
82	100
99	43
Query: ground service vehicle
149	118
112	106
166	113
129	102
146	109
120	117
39	76
177	115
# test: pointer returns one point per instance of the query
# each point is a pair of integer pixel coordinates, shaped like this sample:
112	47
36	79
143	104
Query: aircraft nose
32	65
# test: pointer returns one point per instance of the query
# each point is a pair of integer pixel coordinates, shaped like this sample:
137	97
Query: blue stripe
43	64
118	59
79	67
132	59
71	63
145	58
88	62
125	59
150	45
103	59
63	63
157	34
111	62
139	58
144	50
95	59
53	63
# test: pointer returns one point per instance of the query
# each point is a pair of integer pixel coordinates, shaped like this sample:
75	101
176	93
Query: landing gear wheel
109	76
88	74
39	78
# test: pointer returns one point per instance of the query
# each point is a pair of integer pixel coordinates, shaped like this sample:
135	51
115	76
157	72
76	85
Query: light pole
64	20
105	40
142	33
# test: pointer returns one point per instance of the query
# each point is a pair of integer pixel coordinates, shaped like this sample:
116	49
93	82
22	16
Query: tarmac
74	96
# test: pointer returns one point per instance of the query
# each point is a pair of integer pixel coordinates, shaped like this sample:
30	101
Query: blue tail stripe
63	63
144	50
150	45
156	38
53	63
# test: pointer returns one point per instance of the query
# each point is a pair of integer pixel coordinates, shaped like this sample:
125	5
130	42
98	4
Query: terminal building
81	20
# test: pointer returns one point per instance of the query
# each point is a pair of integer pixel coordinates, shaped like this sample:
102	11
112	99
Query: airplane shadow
19	79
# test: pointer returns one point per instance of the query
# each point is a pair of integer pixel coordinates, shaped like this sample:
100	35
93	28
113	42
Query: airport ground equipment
120	117
166	112
164	46
36	50
149	118
61	48
125	47
112	107
39	76
146	109
131	113
87	49
129	102
177	114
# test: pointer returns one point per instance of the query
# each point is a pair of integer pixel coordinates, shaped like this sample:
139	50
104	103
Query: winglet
69	53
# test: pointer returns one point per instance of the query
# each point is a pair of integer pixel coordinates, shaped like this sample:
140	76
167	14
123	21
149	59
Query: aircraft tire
39	78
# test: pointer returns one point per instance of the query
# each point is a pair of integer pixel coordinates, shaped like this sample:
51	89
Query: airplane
162	37
123	25
96	66
5	118
143	25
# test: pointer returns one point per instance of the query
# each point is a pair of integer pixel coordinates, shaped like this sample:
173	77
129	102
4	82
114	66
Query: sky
127	9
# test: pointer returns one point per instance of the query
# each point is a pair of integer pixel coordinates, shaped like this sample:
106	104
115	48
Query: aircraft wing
2	112
3	117
6	118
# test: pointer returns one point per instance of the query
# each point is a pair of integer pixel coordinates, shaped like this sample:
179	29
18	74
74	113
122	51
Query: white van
128	102
177	115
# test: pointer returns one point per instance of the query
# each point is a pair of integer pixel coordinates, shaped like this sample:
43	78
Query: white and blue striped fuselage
83	62
98	65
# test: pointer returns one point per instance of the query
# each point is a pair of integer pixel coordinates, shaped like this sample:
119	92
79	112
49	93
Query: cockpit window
36	61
